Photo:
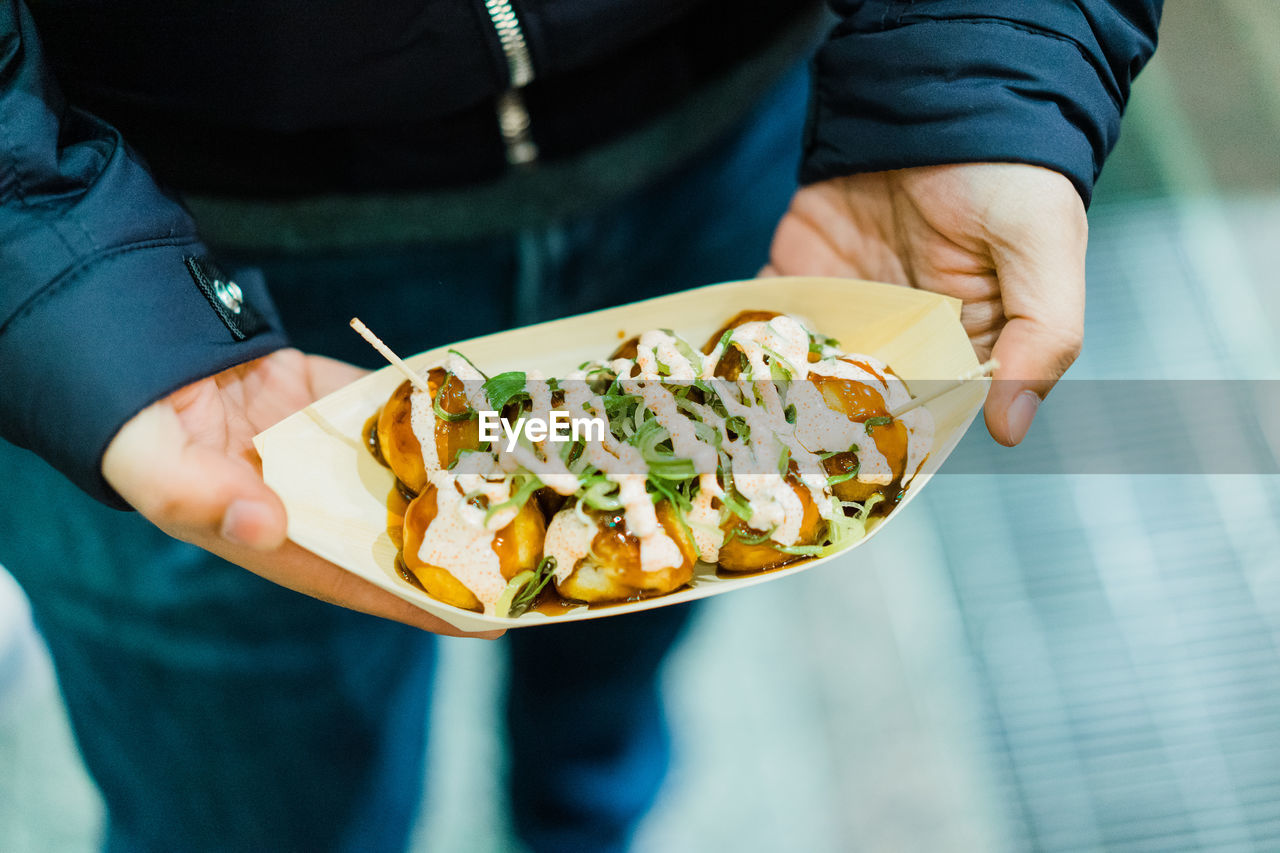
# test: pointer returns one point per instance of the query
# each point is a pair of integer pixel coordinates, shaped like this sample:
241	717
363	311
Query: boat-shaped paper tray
336	493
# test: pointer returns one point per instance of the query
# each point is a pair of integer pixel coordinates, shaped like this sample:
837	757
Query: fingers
1032	358
185	464
191	490
1039	250
220	503
327	375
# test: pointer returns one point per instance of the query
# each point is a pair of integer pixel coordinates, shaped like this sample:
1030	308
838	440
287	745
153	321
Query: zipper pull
513	115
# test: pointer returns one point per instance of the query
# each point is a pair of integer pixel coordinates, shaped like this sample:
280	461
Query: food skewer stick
385	351
984	369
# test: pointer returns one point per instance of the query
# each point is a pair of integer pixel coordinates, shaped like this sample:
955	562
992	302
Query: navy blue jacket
103	309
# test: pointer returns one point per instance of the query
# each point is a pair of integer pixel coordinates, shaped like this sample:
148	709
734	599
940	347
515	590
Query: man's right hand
188	464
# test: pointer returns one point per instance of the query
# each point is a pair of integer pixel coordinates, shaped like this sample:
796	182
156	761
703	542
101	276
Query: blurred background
1021	661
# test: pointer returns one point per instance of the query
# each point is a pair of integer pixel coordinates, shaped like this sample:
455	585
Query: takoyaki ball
739	556
861	402
611	569
518	546
398	442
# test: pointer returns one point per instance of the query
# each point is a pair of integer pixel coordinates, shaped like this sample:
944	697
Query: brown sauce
409	576
397	505
370	436
725	574
551	604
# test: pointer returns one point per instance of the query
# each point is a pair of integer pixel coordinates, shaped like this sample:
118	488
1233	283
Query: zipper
513	115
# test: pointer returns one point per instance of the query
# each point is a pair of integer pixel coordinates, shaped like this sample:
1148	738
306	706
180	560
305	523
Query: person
444	170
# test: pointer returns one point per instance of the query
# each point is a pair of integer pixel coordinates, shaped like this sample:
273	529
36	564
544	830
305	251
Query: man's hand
188	464
1007	239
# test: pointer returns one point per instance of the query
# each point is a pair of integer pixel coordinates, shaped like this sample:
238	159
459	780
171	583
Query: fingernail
1021	412
238	521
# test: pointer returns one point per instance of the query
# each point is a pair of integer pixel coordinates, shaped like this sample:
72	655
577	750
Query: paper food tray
336	493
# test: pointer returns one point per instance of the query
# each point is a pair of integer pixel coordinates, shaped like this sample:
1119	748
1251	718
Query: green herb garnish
840	478
759	539
450	417
470	362
738	426
817	343
522	493
875	422
530	588
503	388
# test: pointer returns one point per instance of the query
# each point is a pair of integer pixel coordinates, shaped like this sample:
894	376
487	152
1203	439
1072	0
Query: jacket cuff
956	91
145	325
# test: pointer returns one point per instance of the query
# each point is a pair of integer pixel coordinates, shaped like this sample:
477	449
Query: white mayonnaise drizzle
704	519
569	538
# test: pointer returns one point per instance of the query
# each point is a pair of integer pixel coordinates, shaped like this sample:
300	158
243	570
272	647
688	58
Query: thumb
1032	358
192	491
1038	233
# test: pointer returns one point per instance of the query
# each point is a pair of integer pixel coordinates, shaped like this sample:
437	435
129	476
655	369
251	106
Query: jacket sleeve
103	281
923	82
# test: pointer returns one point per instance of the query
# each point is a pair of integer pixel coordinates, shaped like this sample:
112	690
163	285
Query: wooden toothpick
385	351
984	369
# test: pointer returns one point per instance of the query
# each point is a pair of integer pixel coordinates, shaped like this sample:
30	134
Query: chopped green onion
525	588
683	347
840	478
817	343
738	426
522	494
853	448
780	370
450	417
470	362
801	550
736	533
597	495
868	504
504	387
737	506
875	422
